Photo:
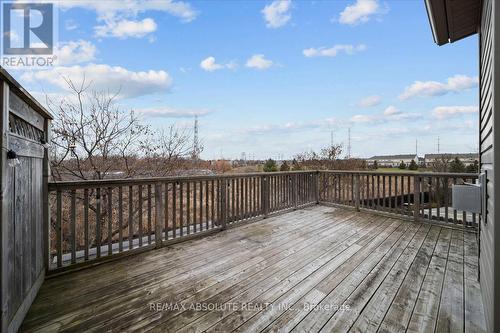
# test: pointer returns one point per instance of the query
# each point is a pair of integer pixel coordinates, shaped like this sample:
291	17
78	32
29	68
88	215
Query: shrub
284	166
413	165
270	166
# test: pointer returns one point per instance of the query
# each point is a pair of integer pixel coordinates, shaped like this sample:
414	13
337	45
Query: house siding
489	251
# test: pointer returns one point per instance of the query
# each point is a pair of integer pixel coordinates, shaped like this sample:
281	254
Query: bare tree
94	138
441	163
166	151
91	135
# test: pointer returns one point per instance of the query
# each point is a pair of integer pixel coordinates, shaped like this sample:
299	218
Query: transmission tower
196	142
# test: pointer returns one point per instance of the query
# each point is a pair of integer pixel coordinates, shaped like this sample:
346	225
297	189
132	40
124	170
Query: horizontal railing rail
98	219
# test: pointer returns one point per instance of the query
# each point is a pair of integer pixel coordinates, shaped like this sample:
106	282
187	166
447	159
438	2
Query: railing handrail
60	185
404	173
67	184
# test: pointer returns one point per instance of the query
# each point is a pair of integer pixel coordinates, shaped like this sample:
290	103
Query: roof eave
436	12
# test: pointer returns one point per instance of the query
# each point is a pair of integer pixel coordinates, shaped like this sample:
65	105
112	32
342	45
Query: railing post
357	193
223	203
316	186
294	190
46	199
416	198
264	194
159	218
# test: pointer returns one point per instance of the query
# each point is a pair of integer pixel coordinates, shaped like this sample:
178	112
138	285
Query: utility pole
438	146
331	138
416	147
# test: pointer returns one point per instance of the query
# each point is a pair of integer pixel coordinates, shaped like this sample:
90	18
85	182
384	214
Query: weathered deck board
264	276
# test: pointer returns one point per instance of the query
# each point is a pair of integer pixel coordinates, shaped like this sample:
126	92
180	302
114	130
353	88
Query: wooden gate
24	175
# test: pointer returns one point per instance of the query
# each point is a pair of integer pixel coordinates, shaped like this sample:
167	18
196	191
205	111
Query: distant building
392	161
466	158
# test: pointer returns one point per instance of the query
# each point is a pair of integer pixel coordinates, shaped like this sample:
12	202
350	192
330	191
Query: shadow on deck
315	269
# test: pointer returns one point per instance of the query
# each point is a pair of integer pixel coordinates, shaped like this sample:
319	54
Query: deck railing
95	220
421	195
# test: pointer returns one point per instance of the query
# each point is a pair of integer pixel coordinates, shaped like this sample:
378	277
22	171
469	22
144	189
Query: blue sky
274	78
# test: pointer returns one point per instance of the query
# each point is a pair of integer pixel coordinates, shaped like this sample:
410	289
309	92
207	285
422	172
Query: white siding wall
489	255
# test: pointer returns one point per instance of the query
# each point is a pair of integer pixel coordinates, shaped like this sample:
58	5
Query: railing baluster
86	222
174	209
416	197
246	198
201	205
120	219
98	222
181	208
454	210
167	199
59	234
140	215
159	210
213	203
234	203
446	198
130	217
73	226
378	193
195	221
110	221
150	231
188	207
431	197
207	206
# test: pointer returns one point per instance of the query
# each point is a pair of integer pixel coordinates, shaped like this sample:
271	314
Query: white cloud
114	79
131	8
209	64
391	111
258	61
172	112
359	12
70	25
317	124
75	52
369	101
126	28
361	118
455	84
444	112
119	18
333	51
277	14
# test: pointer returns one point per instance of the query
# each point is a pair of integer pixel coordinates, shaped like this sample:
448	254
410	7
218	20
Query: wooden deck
316	269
